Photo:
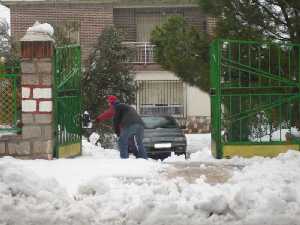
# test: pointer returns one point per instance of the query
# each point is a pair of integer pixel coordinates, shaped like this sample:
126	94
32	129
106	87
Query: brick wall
37	137
92	18
211	25
196	18
124	18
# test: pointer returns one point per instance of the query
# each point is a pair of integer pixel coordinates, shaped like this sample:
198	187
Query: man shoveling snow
127	124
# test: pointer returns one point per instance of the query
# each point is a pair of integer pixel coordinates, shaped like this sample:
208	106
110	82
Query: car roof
157	116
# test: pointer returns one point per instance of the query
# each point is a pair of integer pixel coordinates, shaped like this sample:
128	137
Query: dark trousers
136	132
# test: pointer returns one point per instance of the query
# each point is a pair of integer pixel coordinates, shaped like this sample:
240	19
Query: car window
159	122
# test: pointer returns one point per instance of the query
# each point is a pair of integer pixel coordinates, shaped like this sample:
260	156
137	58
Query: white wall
155	75
198	102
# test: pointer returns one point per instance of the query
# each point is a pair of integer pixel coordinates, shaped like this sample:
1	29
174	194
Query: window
161	97
147	21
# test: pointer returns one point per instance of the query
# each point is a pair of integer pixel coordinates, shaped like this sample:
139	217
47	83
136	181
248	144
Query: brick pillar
37	102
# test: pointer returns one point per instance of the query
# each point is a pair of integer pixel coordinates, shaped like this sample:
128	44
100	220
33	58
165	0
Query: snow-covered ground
99	188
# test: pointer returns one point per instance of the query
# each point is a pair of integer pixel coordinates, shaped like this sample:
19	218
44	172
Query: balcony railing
143	52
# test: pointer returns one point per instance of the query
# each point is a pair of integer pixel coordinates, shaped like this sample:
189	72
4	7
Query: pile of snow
94	137
5	133
5	13
100	188
196	142
277	135
41	28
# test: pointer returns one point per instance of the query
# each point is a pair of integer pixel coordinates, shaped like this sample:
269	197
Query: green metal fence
255	98
67	101
9	98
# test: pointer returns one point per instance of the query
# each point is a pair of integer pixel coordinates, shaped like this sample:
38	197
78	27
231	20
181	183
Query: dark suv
163	136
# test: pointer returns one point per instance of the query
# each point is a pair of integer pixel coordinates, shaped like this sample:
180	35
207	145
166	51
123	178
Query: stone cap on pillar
38	41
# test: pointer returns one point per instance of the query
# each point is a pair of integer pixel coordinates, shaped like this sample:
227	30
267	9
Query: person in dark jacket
127	124
131	125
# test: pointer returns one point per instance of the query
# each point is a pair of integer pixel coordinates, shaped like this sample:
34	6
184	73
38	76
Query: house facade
160	91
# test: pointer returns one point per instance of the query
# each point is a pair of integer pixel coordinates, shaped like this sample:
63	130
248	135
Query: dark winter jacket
125	116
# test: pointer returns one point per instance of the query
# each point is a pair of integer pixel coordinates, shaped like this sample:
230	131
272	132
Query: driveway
212	173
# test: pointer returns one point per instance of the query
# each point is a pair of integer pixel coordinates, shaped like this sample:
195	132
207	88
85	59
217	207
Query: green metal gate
67	101
255	105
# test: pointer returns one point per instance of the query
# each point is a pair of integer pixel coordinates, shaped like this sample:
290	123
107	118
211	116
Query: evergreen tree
66	32
183	50
256	19
108	74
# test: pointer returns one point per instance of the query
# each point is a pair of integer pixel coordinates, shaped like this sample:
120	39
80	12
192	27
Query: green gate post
215	99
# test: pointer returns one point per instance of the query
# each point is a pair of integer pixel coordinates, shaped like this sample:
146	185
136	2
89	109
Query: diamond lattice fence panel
6	102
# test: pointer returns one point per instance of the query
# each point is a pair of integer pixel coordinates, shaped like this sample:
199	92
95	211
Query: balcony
143	53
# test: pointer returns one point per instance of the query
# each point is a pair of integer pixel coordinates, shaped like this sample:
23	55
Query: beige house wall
155	75
198	102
